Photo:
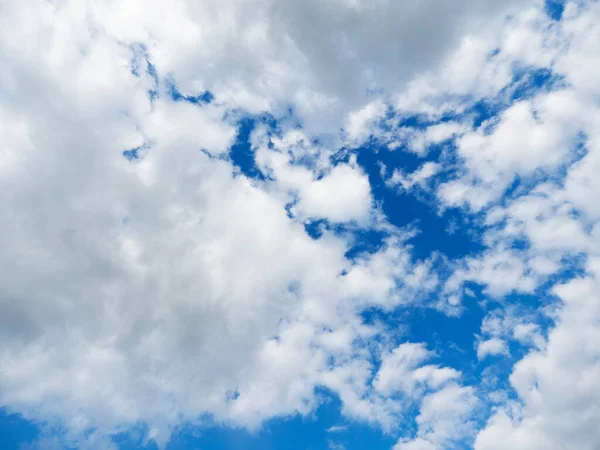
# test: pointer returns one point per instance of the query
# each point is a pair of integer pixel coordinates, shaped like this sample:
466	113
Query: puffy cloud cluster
557	384
527	171
166	286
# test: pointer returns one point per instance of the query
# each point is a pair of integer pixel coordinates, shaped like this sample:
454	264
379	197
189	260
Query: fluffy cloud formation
557	385
400	371
147	278
162	286
443	419
542	156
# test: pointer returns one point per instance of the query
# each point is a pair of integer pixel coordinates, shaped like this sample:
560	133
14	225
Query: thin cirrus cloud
214	216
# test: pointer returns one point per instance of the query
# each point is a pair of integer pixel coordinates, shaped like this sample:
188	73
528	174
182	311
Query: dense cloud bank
150	274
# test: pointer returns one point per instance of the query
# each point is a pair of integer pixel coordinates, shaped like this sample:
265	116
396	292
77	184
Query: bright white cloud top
148	275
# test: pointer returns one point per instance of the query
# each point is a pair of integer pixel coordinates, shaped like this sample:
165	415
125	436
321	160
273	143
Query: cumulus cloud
493	346
418	178
163	286
443	419
402	371
555	396
556	385
145	279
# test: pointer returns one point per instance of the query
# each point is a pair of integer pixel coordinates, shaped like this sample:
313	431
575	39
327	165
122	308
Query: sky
303	225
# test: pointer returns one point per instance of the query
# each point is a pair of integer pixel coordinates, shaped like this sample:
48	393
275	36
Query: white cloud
160	289
557	220
259	55
335	446
152	290
529	333
500	270
443	419
342	195
415	444
402	371
509	323
361	123
557	386
482	64
337	428
531	135
491	347
419	177
419	141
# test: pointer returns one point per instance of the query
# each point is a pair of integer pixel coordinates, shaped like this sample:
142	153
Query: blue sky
299	225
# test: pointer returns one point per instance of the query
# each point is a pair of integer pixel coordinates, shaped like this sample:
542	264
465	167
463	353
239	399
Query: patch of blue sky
528	82
555	8
450	231
366	241
241	152
576	154
151	70
572	265
15	431
451	337
422	121
315	431
203	98
139	59
141	62
493	372
362	240
404	209
289	433
136	153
